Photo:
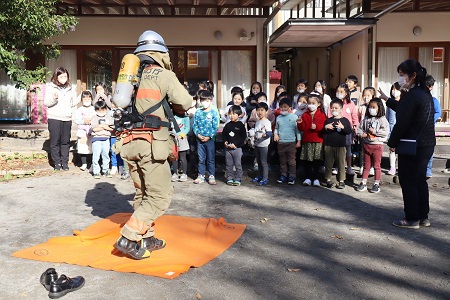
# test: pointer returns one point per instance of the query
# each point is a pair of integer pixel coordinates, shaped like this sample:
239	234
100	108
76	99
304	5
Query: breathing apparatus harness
130	119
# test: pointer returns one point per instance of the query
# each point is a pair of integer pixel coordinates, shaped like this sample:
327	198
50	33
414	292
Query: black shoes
132	248
58	287
152	243
65	285
48	277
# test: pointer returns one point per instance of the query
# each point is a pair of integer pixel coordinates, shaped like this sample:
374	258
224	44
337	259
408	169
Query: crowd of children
310	132
95	134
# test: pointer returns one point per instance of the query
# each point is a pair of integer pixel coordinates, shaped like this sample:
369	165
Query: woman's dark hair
100	104
59	71
397	87
381	111
103	85
236	109
319	99
347	92
412	66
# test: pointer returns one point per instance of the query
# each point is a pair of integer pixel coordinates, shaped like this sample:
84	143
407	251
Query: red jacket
312	135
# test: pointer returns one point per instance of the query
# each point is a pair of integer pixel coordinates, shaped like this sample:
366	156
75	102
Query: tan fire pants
153	188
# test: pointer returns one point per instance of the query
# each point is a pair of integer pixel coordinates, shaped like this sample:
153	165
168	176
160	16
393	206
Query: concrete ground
300	242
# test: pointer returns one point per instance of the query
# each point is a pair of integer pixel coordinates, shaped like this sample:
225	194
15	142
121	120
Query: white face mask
402	81
373	111
340	96
284	112
319	89
254	92
301	91
86	103
368	99
397	94
302	106
206	104
312	107
335	113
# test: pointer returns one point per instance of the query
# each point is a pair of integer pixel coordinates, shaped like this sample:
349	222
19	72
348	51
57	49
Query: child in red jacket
311	124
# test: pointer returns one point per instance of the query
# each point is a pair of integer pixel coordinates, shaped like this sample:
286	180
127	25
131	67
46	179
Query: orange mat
191	242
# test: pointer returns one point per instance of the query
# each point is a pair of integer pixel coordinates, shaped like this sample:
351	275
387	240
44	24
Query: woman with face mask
60	98
414	121
251	100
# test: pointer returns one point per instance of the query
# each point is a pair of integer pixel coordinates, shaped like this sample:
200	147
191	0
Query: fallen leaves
198	296
264	220
340	237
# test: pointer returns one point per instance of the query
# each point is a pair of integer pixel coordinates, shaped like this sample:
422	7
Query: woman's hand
382	94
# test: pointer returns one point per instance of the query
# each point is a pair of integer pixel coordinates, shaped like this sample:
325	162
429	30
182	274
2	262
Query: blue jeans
206	155
100	148
116	160
429	167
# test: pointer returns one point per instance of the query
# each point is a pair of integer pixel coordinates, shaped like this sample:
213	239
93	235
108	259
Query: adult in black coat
415	111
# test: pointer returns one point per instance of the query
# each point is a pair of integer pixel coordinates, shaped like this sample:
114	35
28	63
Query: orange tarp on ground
191	242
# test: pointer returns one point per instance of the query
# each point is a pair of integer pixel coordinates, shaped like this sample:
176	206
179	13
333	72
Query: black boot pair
139	250
58	287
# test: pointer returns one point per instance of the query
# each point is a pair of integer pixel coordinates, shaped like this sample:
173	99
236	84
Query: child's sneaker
257	179
183	177
230	182
316	182
341	185
282	179
375	188
237	183
307	182
97	176
199	179
263	182
108	174
291	180
113	170
330	184
125	176
361	187
83	167
212	179
174	177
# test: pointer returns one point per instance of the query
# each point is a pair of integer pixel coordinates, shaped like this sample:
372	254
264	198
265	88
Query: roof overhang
314	33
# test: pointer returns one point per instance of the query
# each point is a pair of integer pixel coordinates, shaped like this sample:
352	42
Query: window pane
98	64
388	60
435	69
236	71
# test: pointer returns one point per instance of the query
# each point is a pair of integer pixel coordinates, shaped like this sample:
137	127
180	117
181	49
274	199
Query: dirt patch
18	165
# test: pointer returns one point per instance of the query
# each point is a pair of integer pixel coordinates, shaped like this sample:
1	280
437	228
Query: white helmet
150	41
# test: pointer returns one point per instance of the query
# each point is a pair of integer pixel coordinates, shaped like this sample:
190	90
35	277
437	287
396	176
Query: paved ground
341	243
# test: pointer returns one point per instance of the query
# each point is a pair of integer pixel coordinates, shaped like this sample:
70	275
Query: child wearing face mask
302	88
336	129
311	124
276	99
301	105
101	132
350	112
321	87
262	98
206	123
83	117
373	130
288	137
367	95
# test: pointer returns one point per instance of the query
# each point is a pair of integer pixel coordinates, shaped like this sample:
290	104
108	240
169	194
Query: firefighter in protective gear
146	151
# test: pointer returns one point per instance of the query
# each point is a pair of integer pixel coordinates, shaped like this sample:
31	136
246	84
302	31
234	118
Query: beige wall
398	27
